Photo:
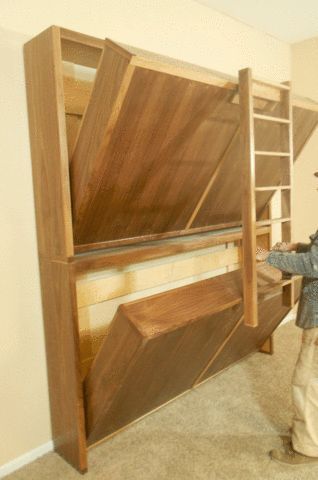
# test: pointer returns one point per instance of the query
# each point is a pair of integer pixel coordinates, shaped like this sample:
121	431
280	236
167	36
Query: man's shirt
304	262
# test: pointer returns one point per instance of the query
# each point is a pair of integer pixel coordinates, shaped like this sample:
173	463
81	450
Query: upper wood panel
158	150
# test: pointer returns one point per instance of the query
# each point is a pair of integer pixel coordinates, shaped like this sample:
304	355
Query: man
303	448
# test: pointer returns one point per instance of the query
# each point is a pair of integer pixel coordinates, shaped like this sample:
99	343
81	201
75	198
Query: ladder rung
272	154
272	188
281	86
271	119
272	221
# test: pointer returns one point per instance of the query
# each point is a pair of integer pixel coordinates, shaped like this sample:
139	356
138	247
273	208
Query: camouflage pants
305	396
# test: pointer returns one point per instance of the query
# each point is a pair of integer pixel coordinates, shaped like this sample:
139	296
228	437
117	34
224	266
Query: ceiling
287	20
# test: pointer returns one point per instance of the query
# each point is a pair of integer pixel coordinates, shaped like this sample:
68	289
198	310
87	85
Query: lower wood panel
160	346
246	339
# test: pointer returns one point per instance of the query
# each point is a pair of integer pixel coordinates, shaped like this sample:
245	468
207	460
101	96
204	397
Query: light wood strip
248	199
90	292
272	154
268	118
278	187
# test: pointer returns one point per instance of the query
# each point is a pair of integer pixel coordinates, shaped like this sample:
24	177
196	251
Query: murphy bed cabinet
149	176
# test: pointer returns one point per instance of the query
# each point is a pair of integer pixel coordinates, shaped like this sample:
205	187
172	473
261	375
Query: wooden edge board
89	247
132	254
177	67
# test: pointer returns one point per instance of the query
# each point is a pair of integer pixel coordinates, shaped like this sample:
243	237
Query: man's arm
305	264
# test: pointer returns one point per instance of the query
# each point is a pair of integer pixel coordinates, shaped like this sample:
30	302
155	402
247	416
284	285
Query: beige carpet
222	430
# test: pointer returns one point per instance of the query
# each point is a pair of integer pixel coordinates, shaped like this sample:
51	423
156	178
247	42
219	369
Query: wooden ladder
250	189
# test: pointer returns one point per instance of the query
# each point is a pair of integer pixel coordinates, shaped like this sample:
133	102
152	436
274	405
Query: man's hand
261	254
284	247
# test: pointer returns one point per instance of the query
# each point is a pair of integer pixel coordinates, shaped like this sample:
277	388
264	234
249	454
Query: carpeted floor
222	430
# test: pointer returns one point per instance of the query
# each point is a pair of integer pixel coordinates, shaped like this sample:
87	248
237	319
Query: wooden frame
63	262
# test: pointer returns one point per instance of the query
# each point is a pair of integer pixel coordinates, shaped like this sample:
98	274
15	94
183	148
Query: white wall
179	28
305	82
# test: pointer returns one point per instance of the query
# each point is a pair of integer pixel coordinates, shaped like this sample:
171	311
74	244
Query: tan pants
305	396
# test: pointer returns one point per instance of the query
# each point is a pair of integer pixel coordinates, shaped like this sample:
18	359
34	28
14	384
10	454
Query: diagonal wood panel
159	154
159	346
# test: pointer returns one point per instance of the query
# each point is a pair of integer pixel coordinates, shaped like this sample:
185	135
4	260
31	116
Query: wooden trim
101	260
63	362
44	79
248	199
89	247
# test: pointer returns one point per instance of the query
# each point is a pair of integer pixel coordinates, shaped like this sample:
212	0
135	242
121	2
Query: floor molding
26	458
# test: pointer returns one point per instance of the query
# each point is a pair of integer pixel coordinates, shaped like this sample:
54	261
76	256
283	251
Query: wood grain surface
158	347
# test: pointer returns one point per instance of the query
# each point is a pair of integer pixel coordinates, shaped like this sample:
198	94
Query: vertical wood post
44	79
248	197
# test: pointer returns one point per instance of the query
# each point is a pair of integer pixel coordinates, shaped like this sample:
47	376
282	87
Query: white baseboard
28	457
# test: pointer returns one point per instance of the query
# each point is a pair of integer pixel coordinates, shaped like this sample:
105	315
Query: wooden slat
248	199
273	188
268	118
99	290
272	154
86	158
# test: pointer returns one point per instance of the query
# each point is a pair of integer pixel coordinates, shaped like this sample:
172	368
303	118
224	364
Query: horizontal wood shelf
268	118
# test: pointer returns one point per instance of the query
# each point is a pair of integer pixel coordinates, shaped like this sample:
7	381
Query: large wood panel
162	152
151	172
157	347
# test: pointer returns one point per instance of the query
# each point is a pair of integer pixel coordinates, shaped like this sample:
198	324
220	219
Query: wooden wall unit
137	165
